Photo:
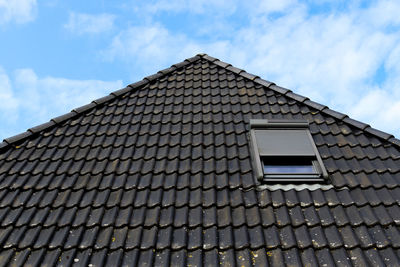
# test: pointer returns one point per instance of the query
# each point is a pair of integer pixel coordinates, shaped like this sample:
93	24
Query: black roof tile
282	216
178	258
195	239
166	216
292	257
275	257
130	257
287	237
160	173
389	256
358	258
162	258
11	217
181	216
308	257
179	238
303	237
241	239
271	236
133	238
29	238
378	236
19	258
296	216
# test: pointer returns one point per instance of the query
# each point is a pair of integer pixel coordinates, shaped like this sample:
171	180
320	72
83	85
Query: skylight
284	151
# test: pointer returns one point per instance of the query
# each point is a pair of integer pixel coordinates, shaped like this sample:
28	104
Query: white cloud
192	6
8	102
324	57
269	6
19	11
380	108
384	13
31	100
332	58
86	23
147	43
49	94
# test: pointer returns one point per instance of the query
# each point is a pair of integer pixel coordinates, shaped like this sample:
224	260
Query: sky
58	55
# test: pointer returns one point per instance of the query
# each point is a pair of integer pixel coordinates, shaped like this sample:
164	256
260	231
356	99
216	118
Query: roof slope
159	173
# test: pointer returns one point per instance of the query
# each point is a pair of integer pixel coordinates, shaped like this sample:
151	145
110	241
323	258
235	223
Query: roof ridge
270	85
305	100
95	103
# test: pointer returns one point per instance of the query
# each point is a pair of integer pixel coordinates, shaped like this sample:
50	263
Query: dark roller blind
284	142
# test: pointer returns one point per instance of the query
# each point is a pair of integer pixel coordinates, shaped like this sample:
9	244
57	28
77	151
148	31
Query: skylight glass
287	169
288	166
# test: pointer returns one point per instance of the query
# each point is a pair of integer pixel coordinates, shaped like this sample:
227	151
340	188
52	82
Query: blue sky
57	55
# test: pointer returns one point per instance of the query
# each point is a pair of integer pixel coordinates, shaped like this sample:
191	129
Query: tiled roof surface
159	173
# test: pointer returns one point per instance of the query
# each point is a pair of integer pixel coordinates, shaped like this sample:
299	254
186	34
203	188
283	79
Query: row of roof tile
103	216
176	238
213	257
146	195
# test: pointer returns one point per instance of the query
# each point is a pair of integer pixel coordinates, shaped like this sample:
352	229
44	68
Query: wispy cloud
30	100
9	104
331	57
18	11
193	6
80	23
155	44
381	107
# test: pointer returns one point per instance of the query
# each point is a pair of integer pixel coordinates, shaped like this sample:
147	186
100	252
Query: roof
159	173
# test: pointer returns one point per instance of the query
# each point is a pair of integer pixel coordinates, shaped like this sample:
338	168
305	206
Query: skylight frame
258	160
